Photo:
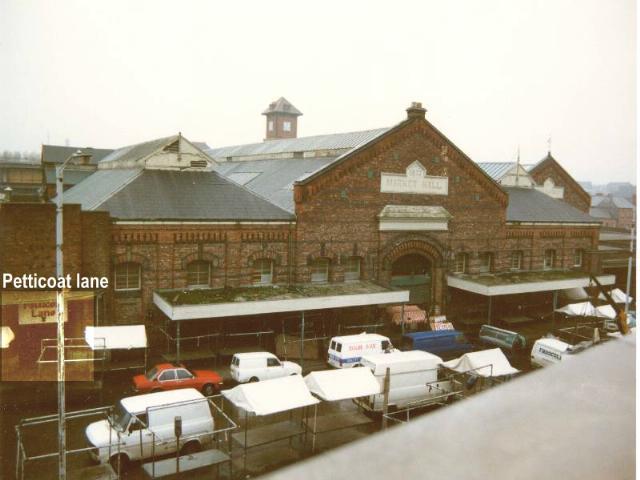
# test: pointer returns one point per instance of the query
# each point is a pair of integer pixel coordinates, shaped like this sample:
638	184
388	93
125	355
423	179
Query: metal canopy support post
553	312
302	342
402	319
178	341
629	266
489	310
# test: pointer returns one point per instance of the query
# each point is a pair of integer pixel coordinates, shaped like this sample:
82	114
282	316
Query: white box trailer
413	379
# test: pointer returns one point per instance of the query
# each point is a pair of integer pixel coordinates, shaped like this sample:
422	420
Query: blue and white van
347	350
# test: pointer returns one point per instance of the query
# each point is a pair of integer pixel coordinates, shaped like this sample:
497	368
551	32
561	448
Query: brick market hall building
289	241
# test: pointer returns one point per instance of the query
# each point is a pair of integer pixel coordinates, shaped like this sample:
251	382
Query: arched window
352	269
460	264
198	273
127	276
320	270
263	272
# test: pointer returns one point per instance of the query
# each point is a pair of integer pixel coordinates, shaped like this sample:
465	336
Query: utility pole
62	441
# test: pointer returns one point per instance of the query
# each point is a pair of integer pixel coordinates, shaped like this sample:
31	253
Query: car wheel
119	460
254	379
190	448
208	390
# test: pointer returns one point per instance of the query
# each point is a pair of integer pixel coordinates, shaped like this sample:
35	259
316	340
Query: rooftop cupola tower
282	120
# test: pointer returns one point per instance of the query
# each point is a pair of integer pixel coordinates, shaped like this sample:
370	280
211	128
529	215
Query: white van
346	351
549	351
143	420
256	366
414	379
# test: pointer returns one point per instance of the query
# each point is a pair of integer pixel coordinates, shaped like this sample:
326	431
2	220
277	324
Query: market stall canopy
486	363
341	384
271	396
122	337
412	314
582	309
6	337
618	296
606	311
577	293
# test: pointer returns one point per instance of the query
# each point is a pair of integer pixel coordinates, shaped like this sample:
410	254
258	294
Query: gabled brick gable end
574	194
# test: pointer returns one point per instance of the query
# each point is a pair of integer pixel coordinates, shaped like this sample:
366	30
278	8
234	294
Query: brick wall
573	193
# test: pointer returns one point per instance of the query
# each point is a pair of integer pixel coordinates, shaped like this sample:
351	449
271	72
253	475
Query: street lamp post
62	459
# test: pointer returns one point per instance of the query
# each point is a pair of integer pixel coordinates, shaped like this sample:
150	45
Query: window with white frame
486	262
516	260
352	269
460	263
271	125
127	276
198	273
549	259
578	257
320	270
263	272
286	126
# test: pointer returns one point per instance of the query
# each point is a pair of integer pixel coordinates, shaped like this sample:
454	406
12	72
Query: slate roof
58	153
135	194
496	170
335	141
621	202
71	176
139	150
272	178
282	105
608	202
530	205
598	212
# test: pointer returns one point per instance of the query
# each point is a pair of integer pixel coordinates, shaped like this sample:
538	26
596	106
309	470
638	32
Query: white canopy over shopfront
331	385
271	396
486	363
123	337
618	296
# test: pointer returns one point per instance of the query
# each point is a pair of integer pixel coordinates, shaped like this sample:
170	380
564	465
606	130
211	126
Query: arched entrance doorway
413	272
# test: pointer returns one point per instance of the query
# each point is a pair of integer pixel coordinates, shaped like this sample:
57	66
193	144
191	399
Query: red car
167	376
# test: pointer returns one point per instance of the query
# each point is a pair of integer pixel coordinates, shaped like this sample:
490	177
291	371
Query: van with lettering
347	350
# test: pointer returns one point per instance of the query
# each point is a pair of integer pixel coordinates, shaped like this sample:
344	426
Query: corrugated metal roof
273	178
71	176
58	153
100	186
621	202
496	170
139	150
175	195
336	141
530	205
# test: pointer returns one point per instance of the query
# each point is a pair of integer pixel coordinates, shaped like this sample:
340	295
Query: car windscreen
120	418
338	347
151	373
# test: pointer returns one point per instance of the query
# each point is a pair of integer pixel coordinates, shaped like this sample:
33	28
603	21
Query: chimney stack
416	110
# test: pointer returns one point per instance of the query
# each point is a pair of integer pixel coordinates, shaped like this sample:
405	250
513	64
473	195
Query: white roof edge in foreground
215	310
507	289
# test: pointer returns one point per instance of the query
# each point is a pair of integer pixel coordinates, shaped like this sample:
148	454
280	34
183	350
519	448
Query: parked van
505	339
139	422
256	366
346	351
414	379
440	342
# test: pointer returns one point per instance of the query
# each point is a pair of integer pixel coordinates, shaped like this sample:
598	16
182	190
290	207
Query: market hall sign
414	180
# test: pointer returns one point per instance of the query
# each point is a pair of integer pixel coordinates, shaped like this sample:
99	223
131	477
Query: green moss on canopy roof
514	278
252	294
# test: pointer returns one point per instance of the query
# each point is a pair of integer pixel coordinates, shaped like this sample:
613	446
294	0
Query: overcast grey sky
494	75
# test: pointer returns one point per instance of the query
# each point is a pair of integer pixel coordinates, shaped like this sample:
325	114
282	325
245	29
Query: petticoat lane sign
415	180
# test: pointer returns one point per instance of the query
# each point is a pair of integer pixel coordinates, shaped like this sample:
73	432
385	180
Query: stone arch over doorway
416	263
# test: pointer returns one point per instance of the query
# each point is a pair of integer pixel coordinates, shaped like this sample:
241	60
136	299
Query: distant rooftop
282	105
